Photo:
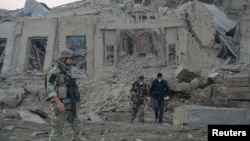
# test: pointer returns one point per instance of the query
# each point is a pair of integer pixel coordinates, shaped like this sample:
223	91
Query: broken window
2	51
139	41
207	1
36	56
144	2
109	55
152	17
78	45
117	1
126	46
138	1
141	16
172	54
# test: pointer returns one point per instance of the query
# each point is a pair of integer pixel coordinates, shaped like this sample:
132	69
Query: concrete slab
94	117
10	101
184	74
194	116
30	117
237	81
238	93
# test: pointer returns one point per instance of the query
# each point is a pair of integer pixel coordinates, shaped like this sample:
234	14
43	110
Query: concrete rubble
200	116
115	42
29	117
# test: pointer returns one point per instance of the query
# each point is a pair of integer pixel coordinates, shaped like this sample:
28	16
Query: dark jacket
159	89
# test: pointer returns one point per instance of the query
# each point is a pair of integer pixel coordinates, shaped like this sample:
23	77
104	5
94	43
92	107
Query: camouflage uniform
141	90
57	77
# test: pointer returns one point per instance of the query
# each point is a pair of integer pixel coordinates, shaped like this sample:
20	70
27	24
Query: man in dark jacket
159	89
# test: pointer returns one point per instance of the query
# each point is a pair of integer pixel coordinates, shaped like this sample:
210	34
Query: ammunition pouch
67	104
62	92
68	107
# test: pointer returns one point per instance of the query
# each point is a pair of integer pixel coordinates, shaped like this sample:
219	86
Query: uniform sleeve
51	84
133	87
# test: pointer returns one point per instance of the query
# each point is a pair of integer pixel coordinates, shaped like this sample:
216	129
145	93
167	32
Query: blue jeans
159	108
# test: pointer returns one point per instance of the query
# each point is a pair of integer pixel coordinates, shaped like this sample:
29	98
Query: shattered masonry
103	33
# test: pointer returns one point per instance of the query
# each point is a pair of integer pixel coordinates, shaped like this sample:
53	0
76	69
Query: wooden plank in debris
154	43
38	57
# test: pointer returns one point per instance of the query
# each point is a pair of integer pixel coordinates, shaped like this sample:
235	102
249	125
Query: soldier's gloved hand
166	98
148	98
60	107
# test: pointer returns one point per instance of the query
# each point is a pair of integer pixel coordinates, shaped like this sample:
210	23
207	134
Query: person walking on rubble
63	93
138	91
158	90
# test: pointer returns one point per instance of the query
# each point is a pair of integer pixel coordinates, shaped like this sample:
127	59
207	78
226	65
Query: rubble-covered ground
117	130
104	110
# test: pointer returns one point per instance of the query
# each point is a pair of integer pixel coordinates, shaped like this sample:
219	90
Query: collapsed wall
199	22
194	47
186	43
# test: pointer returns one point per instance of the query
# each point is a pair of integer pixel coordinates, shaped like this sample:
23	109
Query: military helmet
65	53
141	77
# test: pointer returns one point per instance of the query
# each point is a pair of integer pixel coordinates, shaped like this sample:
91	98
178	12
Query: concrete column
99	52
248	52
183	45
137	18
8	33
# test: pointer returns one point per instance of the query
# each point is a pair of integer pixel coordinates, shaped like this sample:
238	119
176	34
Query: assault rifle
73	94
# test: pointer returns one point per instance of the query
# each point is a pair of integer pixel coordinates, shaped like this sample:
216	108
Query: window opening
37	52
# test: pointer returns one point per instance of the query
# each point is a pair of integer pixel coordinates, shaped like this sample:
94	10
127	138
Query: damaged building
190	42
100	37
202	48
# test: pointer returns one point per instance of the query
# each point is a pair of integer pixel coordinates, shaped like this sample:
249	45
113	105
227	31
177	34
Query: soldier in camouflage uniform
57	78
139	91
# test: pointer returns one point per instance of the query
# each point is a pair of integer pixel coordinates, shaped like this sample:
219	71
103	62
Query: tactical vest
140	90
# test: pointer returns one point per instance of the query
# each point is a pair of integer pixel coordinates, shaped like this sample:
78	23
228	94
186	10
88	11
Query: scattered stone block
184	74
214	78
239	93
237	81
194	116
30	117
10	101
94	117
195	83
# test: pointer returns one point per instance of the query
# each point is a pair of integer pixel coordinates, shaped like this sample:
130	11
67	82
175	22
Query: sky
17	4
